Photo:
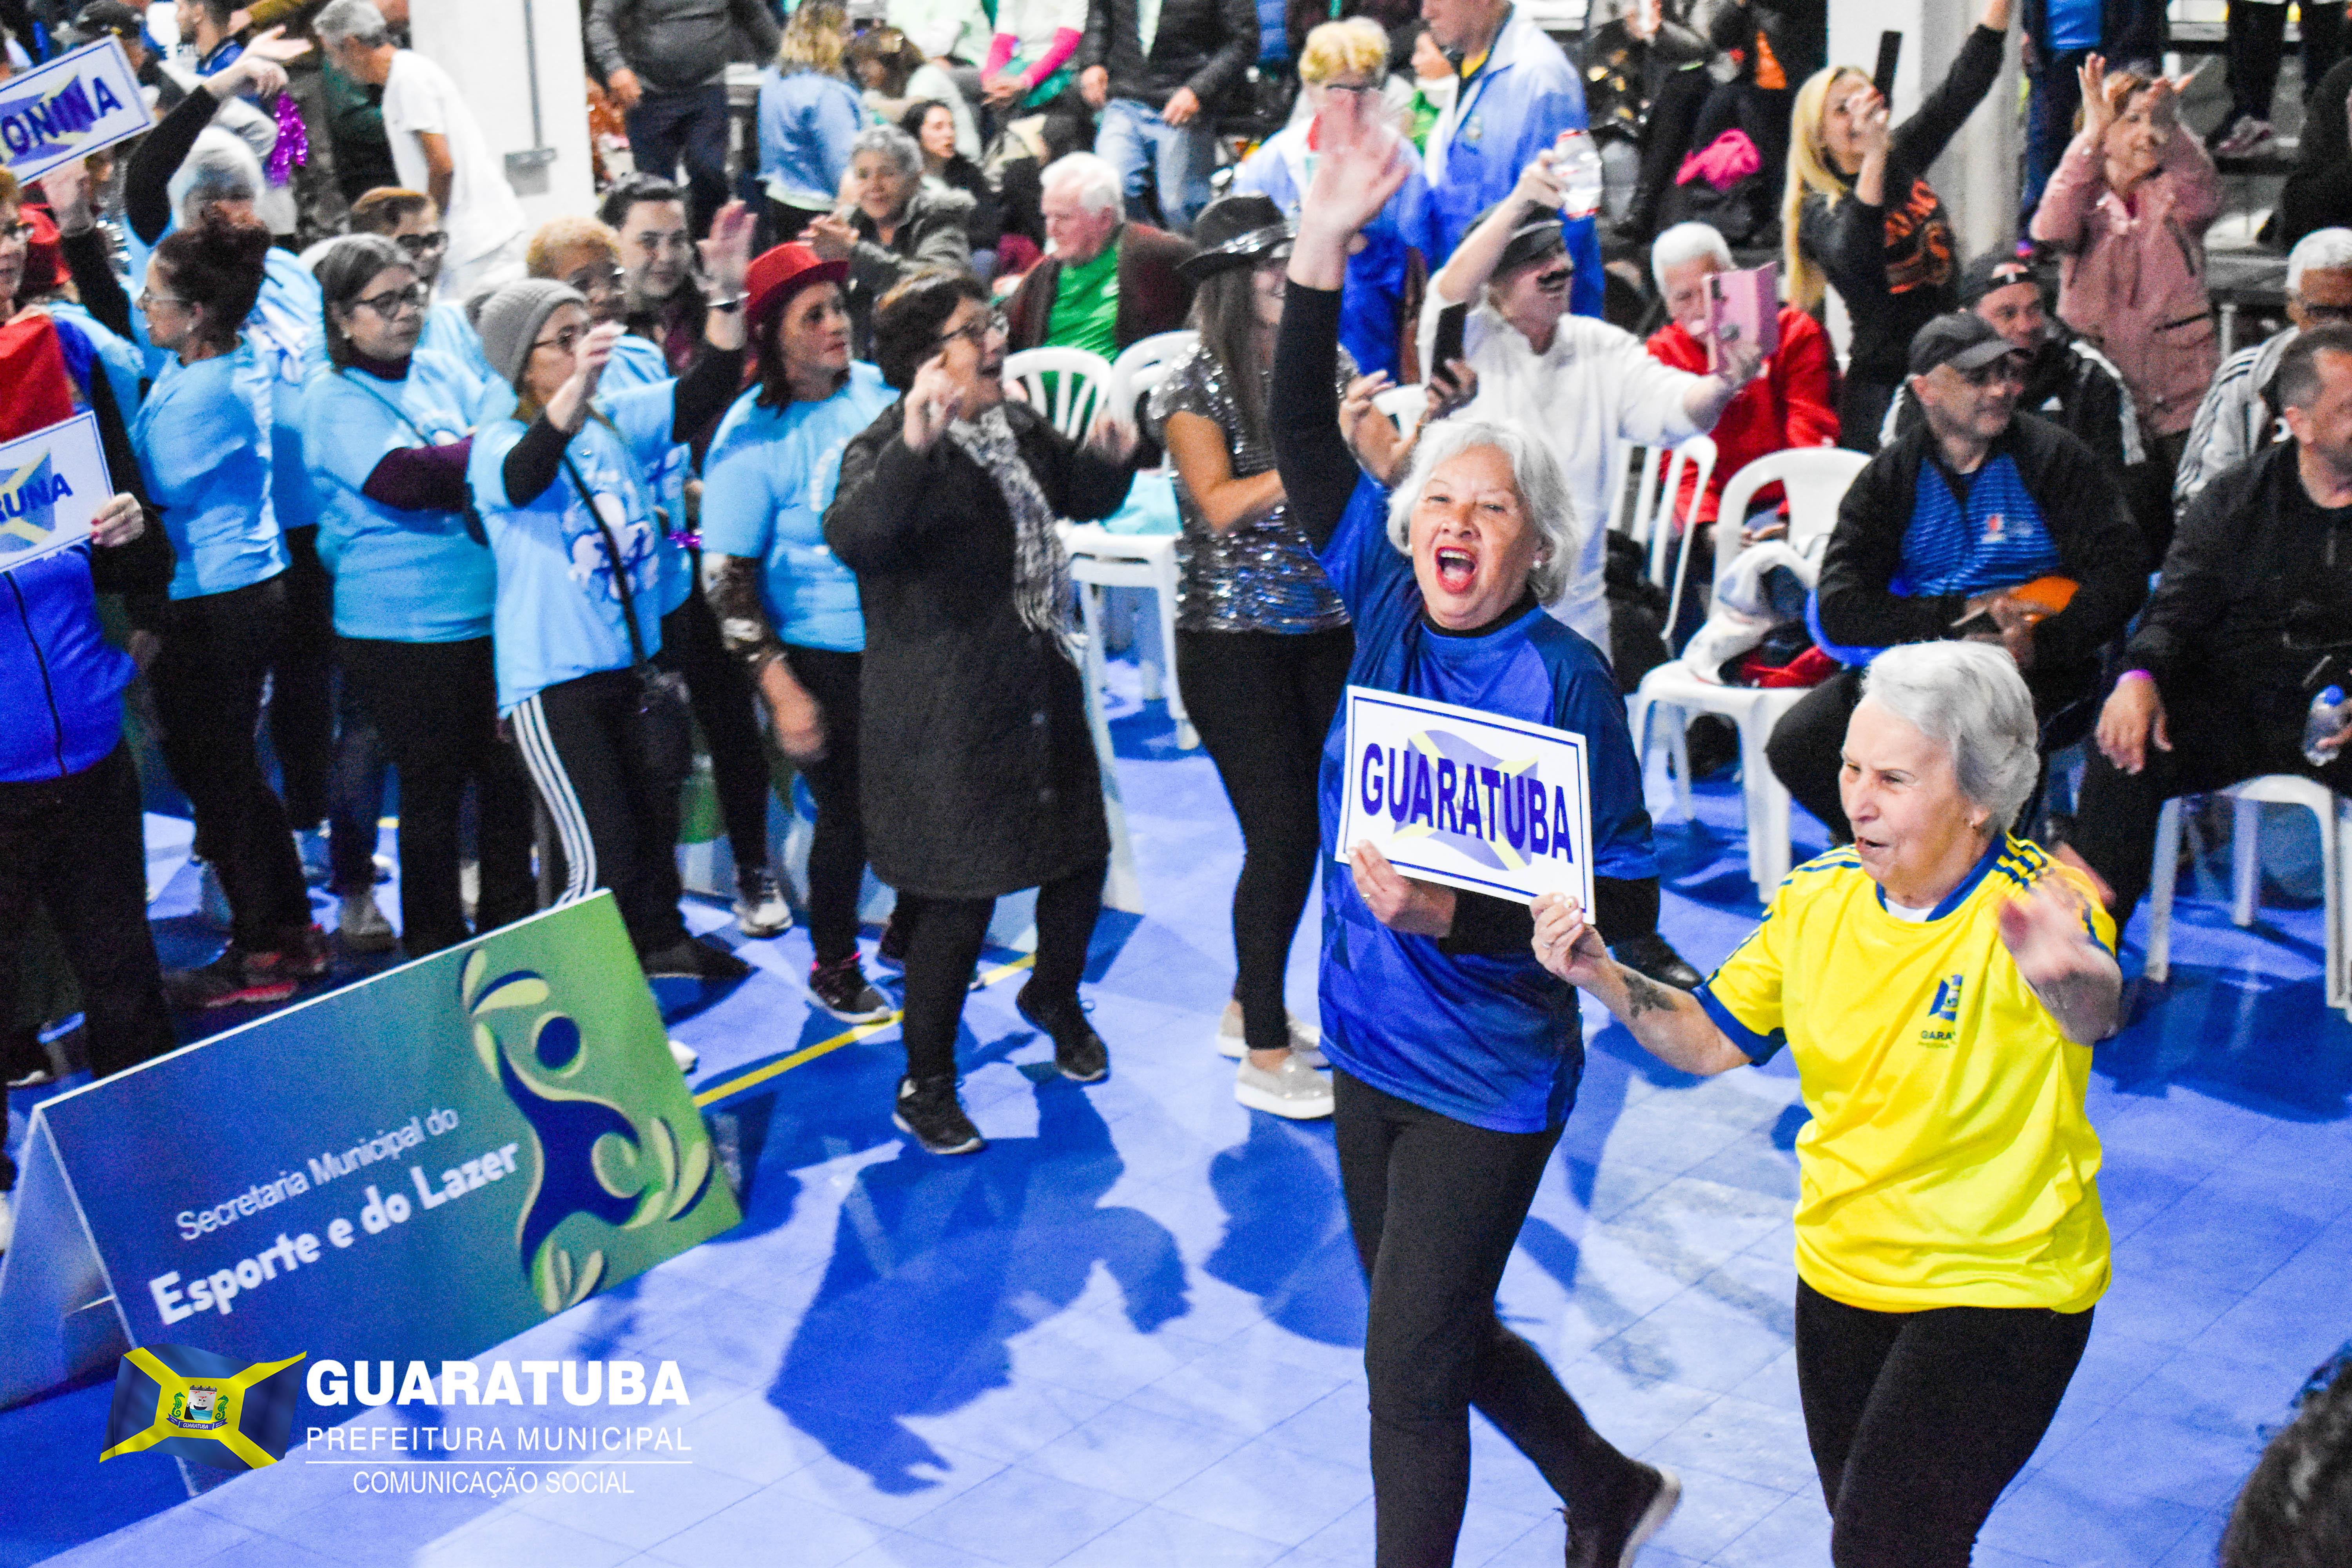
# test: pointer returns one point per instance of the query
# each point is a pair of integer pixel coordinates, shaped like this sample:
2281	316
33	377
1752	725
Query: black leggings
720	690
302	688
215	654
434	705
944	940
837	863
1437	1206
1918	1420
618	824
1263	702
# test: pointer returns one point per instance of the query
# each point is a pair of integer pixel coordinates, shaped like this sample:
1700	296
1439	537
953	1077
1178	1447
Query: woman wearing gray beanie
560	480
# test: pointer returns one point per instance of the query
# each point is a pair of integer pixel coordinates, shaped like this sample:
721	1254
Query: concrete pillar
488	47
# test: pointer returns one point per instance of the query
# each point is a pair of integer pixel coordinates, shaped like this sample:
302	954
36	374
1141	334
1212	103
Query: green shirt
1085	305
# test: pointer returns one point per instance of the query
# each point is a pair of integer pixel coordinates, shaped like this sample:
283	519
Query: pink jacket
2132	275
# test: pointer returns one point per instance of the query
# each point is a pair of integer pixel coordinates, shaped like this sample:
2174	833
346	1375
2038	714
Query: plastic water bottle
1577	161
2328	716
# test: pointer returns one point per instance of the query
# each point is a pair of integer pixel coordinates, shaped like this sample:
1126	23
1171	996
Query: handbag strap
612	554
465	514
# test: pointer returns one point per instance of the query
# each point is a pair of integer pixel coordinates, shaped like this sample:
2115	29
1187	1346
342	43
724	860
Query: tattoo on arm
731	585
1644	995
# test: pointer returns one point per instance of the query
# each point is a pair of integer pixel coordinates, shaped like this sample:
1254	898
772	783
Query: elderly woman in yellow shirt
1939	983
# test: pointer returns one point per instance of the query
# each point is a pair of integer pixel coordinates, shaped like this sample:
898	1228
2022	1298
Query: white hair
1534	473
894	144
220	167
1968	698
1686	242
2329	249
350	19
1094	178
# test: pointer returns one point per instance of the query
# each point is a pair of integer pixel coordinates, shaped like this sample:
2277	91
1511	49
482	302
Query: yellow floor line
760	1075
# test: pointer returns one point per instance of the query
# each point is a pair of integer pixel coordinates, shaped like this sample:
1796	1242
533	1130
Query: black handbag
665	738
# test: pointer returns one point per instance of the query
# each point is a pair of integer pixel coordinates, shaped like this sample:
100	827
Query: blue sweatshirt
60	681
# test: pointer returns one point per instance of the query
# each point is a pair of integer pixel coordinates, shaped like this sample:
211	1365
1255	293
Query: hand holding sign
54	494
70	108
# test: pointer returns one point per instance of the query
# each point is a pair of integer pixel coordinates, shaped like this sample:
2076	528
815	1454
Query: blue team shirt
2076	24
1997	540
203	439
769	474
637	363
288	331
559	608
446	331
1493	1041
400	576
99	347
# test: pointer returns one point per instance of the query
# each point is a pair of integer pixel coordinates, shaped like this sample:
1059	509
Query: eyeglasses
977	330
565	341
392	302
18	234
1360	88
148	300
597	280
423	244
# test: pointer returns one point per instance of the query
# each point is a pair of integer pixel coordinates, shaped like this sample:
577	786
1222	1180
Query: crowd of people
515	513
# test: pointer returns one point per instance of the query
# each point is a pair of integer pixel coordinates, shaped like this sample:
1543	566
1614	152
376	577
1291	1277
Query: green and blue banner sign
413	1168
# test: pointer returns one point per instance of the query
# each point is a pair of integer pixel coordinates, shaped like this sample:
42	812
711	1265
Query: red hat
779	274
44	257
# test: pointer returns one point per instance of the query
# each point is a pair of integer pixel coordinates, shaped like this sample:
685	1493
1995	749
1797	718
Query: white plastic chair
1655	493
1100	559
1079	381
2335	817
1815	480
1141	365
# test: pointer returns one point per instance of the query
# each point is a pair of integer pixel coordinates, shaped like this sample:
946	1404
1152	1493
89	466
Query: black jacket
975	760
2081	506
2075	387
2252	593
1204	45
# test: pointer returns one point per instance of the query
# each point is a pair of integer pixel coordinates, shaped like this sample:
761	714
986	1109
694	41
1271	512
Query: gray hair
351	19
1543	493
218	168
2329	249
1688	242
1968	698
1095	177
893	143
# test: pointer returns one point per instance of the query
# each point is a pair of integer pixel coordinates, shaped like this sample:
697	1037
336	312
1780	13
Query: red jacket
1790	404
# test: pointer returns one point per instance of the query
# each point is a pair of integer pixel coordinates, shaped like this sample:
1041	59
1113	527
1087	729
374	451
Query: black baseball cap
1961	339
103	17
1538	235
1995	269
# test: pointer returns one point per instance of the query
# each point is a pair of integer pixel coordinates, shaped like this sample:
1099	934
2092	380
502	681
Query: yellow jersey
1948	1162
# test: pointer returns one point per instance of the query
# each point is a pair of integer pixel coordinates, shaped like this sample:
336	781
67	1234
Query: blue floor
1129	1333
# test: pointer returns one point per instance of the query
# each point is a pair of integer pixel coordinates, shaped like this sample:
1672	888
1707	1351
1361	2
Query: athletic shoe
1293	1090
310	849
1653	956
686	1058
841	989
7	1223
360	925
1078	1051
1615	1541
1305	1039
301	953
27	1059
929	1110
470	886
2245	134
228	981
891	951
759	905
692	958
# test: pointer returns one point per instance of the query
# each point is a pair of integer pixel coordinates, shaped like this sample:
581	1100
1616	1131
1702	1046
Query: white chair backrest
1142	364
1402	404
1814	479
1064	385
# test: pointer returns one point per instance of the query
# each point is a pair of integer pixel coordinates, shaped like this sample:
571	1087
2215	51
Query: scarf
1040	567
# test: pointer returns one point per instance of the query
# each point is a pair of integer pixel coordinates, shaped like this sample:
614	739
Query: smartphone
1890	52
1449	341
1744	307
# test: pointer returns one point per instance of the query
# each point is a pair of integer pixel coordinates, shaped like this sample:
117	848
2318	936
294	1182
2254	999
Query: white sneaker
686	1058
1305	1039
759	907
8	1223
1293	1090
470	886
362	925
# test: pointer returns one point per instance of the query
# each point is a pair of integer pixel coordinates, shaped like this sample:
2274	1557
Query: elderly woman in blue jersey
203	439
388	431
560	480
1940	984
1454	1057
785	606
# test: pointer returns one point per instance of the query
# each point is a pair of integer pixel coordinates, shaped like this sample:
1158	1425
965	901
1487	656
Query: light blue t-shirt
769	475
204	444
446	331
638	361
400	576
288	331
559	609
117	356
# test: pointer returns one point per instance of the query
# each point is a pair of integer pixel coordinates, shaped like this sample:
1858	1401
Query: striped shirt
1991	536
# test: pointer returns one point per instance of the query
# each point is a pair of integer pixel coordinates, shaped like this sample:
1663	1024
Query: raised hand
726	253
831	237
933	404
1540	185
2099	108
2076	978
1110	438
1361	165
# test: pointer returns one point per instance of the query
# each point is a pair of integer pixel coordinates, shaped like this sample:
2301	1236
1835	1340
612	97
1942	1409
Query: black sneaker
1078	1051
228	981
928	1109
693	958
891	951
1614	1539
841	990
1652	956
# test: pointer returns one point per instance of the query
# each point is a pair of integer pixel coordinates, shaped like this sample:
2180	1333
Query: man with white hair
2242	413
1106	282
437	146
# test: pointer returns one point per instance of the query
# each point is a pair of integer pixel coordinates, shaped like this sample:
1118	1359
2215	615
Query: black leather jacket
1204	45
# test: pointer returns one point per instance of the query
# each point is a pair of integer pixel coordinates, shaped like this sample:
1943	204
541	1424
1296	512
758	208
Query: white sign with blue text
52	483
1472	800
70	108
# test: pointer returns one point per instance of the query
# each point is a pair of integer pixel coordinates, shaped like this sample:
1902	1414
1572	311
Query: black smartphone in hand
1890	52
1448	347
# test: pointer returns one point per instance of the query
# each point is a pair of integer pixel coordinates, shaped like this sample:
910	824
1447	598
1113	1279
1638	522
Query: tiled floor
1129	1333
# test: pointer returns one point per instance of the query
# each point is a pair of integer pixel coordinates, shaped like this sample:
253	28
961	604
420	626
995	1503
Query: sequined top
1261	577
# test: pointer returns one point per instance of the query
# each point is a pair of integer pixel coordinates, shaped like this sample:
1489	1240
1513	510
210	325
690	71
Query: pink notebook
1745	306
